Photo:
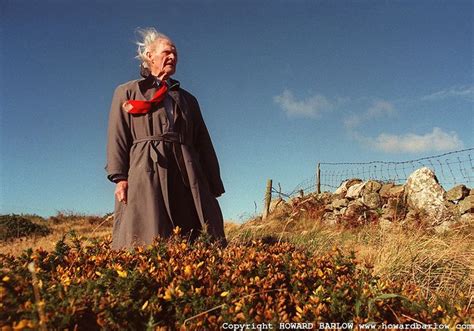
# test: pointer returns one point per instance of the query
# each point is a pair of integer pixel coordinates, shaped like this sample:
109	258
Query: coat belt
171	137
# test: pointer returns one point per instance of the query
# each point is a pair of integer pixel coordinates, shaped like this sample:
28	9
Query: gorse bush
176	284
15	226
65	216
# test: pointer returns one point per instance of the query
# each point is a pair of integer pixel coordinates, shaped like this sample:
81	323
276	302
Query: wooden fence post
318	179
268	199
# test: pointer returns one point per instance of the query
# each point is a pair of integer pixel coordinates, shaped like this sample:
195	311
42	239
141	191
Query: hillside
295	266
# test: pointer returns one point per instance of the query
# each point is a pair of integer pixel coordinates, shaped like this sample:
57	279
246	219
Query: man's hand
121	191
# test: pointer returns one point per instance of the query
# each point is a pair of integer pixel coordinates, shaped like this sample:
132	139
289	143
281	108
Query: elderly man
160	155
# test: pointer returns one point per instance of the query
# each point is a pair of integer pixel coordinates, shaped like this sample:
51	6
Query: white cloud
436	141
311	107
379	108
466	92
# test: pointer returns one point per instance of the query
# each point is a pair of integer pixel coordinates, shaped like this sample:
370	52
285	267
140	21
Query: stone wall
356	202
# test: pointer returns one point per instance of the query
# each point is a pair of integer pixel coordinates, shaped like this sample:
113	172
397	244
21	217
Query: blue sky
282	85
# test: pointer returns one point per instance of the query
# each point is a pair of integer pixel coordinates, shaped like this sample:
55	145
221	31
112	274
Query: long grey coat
136	149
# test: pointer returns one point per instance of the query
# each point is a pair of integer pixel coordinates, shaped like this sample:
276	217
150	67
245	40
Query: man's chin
170	68
165	74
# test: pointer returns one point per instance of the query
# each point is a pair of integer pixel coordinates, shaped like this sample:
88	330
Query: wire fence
452	168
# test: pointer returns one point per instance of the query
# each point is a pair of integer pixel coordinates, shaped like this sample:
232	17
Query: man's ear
148	55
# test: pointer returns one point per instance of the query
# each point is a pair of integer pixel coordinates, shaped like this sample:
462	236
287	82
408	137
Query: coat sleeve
119	138
207	154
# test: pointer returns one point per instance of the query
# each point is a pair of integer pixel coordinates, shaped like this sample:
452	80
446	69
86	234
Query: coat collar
174	91
150	81
179	100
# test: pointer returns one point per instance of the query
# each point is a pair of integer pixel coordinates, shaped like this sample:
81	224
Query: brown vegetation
416	274
60	225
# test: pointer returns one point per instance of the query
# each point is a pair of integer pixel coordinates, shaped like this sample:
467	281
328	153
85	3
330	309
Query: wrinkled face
162	58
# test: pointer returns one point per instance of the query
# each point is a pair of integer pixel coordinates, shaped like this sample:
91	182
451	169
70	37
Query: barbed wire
399	162
451	168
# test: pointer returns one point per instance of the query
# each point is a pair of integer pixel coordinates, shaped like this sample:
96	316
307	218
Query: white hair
148	36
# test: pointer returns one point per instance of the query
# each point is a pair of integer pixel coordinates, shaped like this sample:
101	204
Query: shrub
65	216
15	226
200	286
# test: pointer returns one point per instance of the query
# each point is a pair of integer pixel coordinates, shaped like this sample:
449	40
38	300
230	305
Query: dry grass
61	224
442	265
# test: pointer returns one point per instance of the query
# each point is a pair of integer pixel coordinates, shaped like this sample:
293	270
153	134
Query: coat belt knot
170	137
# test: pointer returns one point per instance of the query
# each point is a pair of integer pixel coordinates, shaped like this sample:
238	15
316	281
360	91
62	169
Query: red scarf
143	107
